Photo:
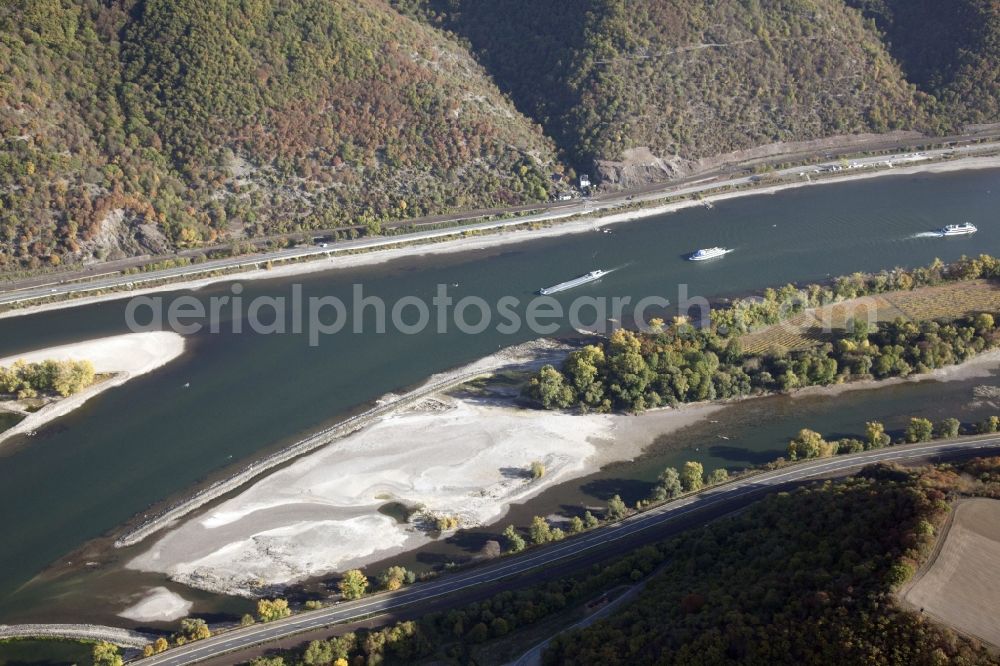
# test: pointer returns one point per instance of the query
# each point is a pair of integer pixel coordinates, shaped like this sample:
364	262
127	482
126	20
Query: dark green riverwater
154	438
8	420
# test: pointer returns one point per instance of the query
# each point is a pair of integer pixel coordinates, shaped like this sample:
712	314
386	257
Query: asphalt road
86	281
607	537
659	189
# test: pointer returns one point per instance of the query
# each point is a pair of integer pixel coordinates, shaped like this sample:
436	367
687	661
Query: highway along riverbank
732	436
579	216
234	397
463	455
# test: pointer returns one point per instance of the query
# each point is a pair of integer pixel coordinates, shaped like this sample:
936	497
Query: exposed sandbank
158	605
450	456
505	236
462	457
122	356
529	355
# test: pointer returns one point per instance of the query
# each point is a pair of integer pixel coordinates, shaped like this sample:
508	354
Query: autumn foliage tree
393	578
353	584
810	444
692	476
269	610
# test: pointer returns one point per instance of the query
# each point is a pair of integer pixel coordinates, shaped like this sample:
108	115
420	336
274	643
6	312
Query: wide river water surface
233	396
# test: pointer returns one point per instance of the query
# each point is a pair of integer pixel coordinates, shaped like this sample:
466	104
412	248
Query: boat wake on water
592	276
928	234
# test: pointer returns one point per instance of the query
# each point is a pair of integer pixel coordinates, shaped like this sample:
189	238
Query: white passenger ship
958	229
709	253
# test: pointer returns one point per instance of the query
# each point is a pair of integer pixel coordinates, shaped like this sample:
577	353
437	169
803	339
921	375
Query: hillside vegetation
687	79
798	578
142	126
948	49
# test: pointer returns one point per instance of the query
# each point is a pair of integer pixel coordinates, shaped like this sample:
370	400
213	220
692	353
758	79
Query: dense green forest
135	126
799	578
802	577
948	49
684	363
693	79
141	126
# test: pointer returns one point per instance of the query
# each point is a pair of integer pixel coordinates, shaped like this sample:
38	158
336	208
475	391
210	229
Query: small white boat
709	253
958	229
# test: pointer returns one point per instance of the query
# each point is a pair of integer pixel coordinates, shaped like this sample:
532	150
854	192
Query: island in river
467	457
115	359
250	395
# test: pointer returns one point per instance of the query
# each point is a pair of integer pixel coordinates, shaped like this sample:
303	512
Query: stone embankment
77	632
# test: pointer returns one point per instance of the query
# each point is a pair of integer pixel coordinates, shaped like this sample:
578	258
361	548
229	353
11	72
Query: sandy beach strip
158	605
456	457
122	356
504	236
462	457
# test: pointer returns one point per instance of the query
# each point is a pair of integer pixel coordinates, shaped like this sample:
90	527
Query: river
231	396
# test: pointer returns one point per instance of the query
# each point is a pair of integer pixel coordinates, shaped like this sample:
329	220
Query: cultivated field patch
810	328
960	586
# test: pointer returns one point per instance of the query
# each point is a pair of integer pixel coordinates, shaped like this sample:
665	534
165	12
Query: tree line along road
589	546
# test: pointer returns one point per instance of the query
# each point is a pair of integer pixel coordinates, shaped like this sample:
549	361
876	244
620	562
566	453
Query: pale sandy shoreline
121	356
450	455
157	605
462	456
505	236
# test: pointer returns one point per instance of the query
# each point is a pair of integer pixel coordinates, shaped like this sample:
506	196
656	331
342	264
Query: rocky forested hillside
134	126
656	83
948	49
139	126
